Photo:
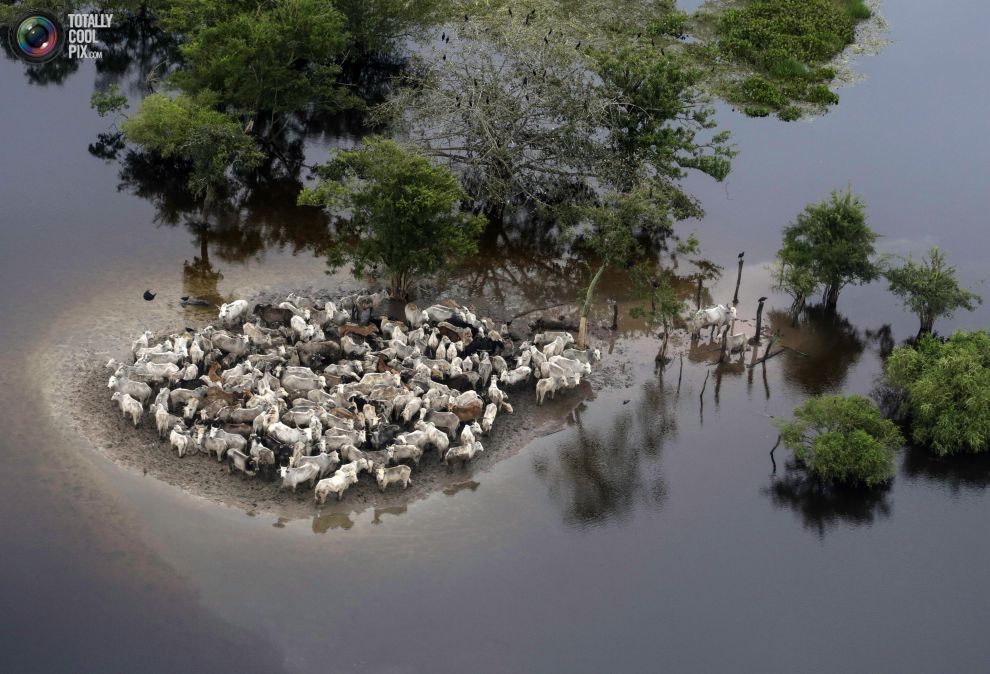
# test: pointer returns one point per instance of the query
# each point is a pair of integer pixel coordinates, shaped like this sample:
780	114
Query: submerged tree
843	439
210	145
527	114
930	289
274	58
946	391
831	245
396	209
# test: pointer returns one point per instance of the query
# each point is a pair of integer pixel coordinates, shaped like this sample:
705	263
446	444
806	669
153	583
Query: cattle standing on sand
258	387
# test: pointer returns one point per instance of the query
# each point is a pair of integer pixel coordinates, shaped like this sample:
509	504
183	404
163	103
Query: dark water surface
649	535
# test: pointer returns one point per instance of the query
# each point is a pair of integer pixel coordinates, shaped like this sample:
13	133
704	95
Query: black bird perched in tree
148	295
639	35
545	40
577	46
443	37
662	52
510	11
465	17
740	256
762	299
525	79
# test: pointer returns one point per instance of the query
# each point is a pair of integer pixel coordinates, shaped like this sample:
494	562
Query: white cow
337	484
386	476
129	407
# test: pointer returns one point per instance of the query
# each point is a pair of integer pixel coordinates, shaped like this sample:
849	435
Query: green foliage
788	113
108	101
759	90
277	57
394	209
798	282
671	24
190	131
930	289
652	93
946	388
829	244
842	439
517	110
786	42
375	25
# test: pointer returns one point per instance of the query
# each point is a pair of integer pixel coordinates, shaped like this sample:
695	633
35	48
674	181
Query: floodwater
649	535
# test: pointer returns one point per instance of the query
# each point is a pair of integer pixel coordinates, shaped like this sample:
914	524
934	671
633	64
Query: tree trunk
586	306
831	297
759	324
697	295
735	296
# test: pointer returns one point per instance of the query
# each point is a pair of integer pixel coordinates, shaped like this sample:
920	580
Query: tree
277	57
529	115
798	282
842	439
946	391
189	131
618	225
375	25
930	289
830	244
396	209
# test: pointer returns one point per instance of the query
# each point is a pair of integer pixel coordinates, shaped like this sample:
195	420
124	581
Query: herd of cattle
322	395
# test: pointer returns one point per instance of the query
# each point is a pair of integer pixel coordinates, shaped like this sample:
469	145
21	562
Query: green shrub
946	388
755	111
858	10
789	113
822	95
760	90
842	440
785	44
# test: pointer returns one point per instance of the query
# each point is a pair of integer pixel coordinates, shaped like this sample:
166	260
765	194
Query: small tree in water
830	245
930	289
843	439
394	209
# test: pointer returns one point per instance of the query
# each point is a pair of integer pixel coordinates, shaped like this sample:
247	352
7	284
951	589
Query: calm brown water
649	535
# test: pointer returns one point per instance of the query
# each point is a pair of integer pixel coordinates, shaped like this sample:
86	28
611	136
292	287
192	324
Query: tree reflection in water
822	348
956	473
603	471
822	507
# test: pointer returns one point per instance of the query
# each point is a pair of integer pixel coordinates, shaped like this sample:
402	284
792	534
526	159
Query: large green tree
930	289
527	113
396	209
190	131
946	388
831	244
842	439
274	57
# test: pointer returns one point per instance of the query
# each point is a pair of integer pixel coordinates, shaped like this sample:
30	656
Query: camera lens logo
36	36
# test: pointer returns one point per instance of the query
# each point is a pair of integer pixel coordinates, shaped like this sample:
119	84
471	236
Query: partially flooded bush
786	44
947	391
842	440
